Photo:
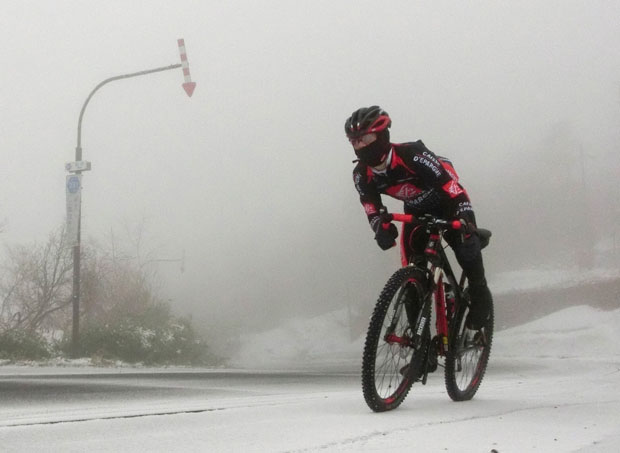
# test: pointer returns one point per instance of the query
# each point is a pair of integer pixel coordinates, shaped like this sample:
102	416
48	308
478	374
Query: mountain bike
402	347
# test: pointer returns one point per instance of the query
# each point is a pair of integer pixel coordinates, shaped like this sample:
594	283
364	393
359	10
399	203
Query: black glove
469	246
385	236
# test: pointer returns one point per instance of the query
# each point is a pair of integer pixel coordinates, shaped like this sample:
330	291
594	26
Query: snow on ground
529	279
552	386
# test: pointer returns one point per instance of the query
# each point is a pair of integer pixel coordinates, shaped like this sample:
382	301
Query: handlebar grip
387	218
405	218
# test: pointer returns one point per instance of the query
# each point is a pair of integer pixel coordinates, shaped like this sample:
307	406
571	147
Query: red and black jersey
426	183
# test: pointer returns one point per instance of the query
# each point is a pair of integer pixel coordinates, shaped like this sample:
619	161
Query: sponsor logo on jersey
428	161
464	206
452	188
403	191
430	157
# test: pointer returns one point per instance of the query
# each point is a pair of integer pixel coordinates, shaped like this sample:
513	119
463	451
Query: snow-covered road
552	386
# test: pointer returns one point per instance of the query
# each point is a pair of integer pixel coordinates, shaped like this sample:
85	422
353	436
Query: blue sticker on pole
73	184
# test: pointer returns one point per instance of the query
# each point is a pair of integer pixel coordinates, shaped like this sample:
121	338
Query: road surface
541	404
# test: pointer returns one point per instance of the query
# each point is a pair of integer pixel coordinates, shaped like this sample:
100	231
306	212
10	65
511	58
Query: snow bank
529	279
580	331
323	342
302	343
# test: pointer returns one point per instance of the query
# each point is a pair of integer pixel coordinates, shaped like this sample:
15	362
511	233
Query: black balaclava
375	153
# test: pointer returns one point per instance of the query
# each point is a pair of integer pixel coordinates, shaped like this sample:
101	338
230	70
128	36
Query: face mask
376	152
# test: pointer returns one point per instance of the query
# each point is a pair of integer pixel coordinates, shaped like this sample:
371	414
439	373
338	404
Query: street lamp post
79	166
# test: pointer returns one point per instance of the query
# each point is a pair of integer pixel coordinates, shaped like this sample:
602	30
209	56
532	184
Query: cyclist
427	184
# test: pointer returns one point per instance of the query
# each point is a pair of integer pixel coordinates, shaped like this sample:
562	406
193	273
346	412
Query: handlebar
426	219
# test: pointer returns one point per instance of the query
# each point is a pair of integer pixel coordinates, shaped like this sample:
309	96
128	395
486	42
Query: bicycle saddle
485	237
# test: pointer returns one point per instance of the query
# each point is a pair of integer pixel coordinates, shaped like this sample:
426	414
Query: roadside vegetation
122	316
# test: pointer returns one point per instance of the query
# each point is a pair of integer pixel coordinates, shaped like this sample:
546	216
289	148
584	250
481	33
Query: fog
250	179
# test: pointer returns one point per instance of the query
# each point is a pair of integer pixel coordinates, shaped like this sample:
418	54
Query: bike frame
438	271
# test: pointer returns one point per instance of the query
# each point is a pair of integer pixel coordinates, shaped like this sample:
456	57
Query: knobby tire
467	357
384	383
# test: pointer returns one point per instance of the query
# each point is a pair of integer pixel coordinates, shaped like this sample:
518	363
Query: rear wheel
467	357
391	362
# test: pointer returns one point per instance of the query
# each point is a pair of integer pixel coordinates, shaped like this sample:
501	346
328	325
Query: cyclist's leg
469	256
412	243
412	246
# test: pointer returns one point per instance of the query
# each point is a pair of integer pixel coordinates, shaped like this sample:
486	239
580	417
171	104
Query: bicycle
399	349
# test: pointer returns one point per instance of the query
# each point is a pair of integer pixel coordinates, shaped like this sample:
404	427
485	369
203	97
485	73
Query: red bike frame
444	308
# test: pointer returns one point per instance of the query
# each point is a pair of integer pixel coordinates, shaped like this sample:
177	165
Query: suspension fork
415	307
401	303
397	311
436	257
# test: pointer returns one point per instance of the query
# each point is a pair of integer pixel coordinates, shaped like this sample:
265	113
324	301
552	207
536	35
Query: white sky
251	176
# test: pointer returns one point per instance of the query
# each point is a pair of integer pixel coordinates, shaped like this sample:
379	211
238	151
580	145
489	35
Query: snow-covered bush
152	337
20	344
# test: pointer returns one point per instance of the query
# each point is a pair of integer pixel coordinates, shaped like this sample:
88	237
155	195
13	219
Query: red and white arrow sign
188	86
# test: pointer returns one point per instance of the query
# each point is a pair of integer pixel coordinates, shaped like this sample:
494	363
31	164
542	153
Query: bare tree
36	285
115	276
112	285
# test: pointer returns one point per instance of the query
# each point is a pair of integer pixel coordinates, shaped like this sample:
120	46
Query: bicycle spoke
391	357
467	361
389	344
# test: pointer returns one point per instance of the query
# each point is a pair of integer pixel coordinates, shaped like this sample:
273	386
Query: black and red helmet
367	120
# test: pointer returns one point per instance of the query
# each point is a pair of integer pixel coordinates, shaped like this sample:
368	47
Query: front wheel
392	359
467	357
